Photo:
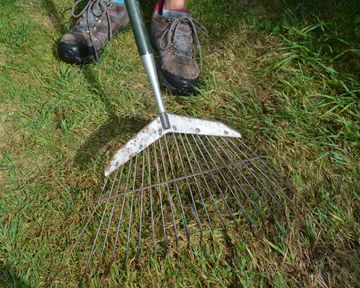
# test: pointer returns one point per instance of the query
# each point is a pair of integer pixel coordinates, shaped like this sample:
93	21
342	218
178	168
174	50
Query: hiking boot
98	22
175	38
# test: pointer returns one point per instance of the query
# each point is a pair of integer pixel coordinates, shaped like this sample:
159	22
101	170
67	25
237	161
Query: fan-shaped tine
111	214
193	206
254	175
252	160
228	185
131	208
271	171
231	213
160	196
197	183
242	189
194	210
124	194
141	204
151	199
187	231
98	203
169	194
207	186
101	221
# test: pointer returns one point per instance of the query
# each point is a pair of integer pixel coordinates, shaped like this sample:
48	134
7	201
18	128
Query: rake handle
147	56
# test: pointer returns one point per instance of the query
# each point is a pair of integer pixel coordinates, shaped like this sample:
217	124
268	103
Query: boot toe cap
75	53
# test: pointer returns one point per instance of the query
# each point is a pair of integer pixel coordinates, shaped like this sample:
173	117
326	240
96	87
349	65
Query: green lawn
285	73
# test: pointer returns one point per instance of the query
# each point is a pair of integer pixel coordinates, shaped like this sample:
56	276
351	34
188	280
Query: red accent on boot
160	6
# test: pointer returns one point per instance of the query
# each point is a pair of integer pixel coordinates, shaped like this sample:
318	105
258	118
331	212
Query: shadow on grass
9	278
106	133
57	20
114	127
55	16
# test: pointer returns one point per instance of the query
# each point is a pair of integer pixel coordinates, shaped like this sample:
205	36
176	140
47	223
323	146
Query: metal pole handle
147	56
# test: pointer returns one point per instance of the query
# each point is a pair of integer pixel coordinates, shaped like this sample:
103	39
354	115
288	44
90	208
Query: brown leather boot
175	38
98	22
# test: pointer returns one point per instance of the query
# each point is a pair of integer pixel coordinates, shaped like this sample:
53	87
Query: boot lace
89	15
180	41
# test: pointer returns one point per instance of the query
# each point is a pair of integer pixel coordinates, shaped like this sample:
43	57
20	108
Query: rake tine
228	185
253	204
207	187
198	186
100	224
193	210
122	209
89	218
252	173
246	180
151	199
214	179
131	209
169	195
274	173
141	204
178	193
270	170
111	215
160	196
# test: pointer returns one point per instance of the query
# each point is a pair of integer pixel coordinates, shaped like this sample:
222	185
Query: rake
174	183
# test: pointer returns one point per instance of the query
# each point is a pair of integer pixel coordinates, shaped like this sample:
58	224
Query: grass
285	74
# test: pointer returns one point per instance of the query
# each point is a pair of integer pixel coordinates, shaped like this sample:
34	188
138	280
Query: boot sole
185	90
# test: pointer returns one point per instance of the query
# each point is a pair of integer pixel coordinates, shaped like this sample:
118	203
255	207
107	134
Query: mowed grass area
284	73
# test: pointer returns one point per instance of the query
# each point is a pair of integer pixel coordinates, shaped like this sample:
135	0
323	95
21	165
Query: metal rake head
167	188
